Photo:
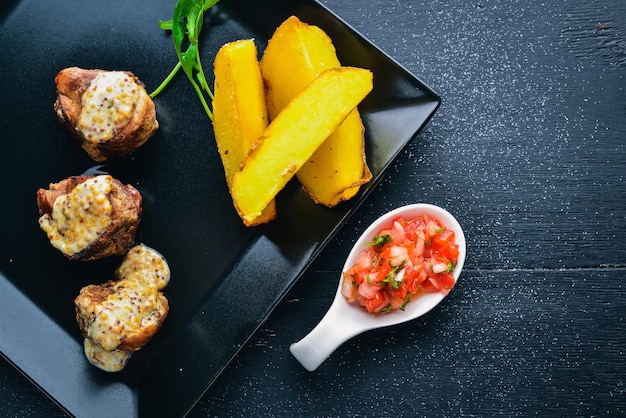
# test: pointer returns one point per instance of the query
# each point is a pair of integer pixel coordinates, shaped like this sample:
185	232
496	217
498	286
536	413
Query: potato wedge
293	136
295	55
239	110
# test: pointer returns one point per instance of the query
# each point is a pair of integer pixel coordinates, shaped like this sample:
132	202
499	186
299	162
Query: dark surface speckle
527	151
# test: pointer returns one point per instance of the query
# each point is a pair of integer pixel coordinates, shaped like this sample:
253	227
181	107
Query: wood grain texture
515	343
527	151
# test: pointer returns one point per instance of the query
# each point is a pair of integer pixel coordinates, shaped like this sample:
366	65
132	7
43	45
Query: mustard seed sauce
107	105
79	217
131	307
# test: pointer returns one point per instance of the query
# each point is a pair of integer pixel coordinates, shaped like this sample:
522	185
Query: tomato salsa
403	260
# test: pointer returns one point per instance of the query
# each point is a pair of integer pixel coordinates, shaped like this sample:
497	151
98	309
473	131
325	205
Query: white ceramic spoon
345	320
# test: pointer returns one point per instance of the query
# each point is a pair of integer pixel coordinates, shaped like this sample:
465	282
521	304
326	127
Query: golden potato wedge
293	136
239	110
295	55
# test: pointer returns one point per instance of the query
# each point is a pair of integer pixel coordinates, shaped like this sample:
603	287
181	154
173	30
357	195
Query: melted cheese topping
79	217
110	361
147	263
107	105
131	307
126	310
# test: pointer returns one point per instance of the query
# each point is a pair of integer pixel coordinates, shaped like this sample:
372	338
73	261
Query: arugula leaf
186	25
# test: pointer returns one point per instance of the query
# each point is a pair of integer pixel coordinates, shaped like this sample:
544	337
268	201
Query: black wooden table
527	151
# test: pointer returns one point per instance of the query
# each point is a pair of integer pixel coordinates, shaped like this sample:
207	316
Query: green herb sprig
186	25
379	241
390	279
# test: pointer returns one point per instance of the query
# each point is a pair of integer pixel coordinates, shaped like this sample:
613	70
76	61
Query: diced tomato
359	277
348	289
398	233
417	282
394	301
411	279
432	227
380	273
364	262
446	281
443	243
430	285
368	290
413	228
418	258
443	238
376	303
394	255
418	250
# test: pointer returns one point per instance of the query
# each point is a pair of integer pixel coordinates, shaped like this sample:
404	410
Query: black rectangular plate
226	278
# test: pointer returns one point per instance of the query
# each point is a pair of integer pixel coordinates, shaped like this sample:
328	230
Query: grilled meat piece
108	111
119	317
90	216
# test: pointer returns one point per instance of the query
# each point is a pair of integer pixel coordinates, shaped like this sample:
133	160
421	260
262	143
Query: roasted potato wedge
292	137
295	55
239	110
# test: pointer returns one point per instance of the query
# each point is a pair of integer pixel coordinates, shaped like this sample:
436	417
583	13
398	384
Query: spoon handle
319	344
